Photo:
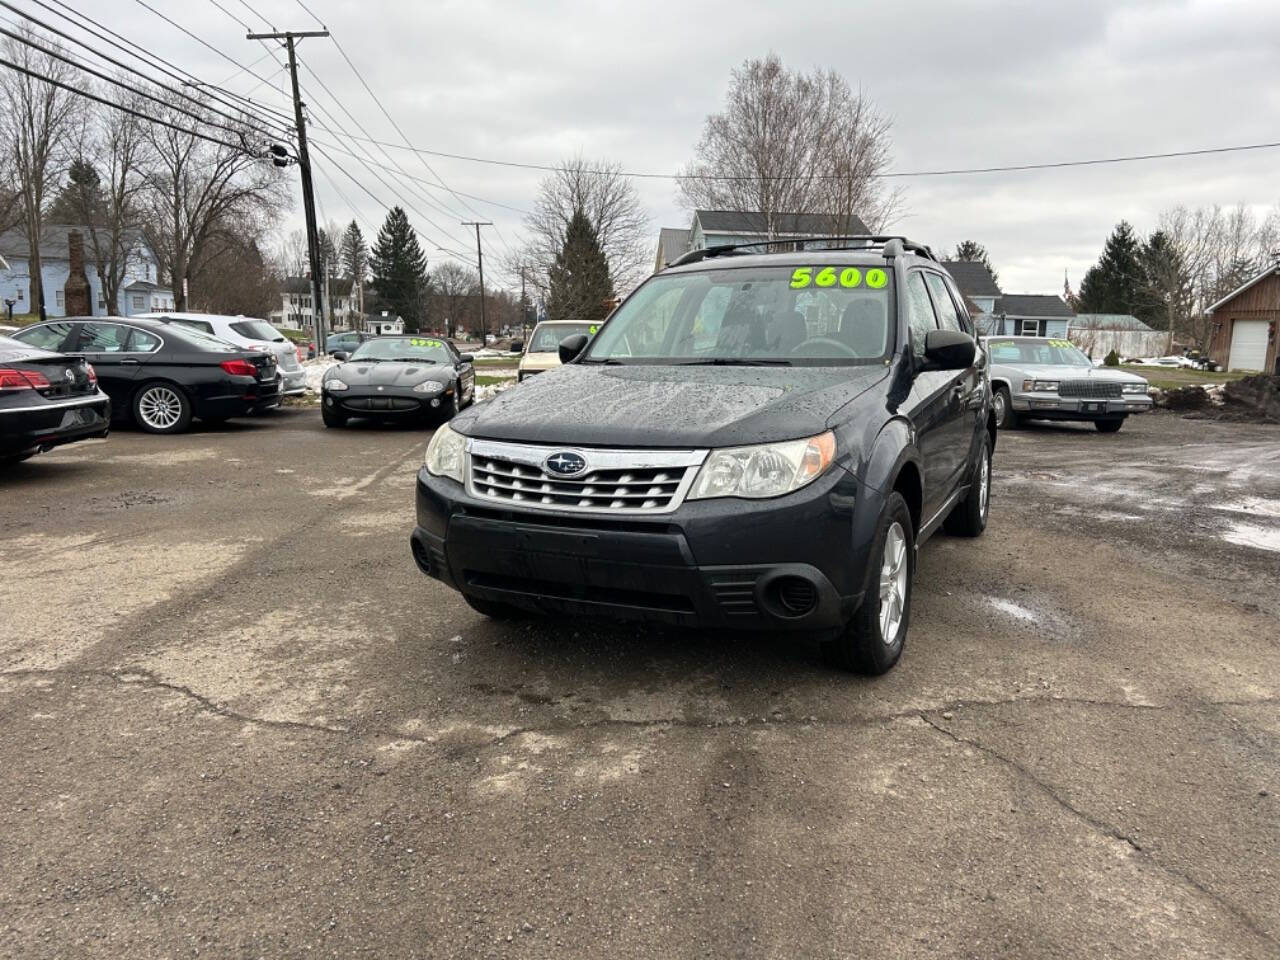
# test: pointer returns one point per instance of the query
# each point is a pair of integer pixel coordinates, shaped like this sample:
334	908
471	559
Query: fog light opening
794	596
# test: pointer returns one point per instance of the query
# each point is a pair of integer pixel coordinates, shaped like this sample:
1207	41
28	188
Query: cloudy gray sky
966	84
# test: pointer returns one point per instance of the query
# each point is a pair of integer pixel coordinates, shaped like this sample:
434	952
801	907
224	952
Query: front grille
614	481
1090	389
392	404
736	596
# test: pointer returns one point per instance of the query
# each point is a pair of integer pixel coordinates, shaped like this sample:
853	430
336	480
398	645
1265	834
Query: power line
104	33
123	66
168	105
959	171
116	106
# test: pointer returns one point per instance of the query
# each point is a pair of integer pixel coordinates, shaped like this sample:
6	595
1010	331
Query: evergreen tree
580	287
1115	283
400	268
330	262
79	201
354	253
1166	283
973	252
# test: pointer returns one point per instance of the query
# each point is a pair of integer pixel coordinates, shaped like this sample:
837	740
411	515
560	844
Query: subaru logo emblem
565	464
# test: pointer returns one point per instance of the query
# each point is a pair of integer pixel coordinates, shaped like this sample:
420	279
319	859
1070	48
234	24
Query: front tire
161	407
332	418
1002	407
873	640
969	517
1109	426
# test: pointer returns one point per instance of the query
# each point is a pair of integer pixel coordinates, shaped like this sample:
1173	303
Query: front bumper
783	564
41	427
388	403
1052	407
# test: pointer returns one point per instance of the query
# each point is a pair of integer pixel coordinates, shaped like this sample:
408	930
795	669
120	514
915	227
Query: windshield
1033	352
546	337
814	315
256	330
420	349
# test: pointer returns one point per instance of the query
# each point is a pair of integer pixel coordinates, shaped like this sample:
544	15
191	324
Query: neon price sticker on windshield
592	329
848	278
418	342
1060	343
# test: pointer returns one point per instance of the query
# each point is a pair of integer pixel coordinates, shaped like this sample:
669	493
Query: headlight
1039	386
445	453
429	386
335	385
1135	388
768	470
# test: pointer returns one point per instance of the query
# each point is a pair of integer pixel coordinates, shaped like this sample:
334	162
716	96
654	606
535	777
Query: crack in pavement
1244	918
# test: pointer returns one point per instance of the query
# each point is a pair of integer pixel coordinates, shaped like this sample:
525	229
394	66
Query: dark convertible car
400	377
46	400
162	374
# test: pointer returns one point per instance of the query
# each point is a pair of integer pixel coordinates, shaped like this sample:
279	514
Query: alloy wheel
893	583
984	483
160	408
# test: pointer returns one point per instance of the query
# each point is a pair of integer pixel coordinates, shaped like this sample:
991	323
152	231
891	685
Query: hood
1054	371
668	406
388	373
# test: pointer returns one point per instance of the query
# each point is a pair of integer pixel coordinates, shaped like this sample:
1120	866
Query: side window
948	318
920	316
140	341
103	338
47	336
966	321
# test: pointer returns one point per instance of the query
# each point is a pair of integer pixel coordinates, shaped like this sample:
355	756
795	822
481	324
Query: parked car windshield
812	315
256	329
421	349
1031	352
546	337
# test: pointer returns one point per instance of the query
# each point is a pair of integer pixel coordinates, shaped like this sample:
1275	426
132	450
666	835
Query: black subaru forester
752	440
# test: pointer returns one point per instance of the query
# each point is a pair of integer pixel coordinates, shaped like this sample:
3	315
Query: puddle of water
1250	535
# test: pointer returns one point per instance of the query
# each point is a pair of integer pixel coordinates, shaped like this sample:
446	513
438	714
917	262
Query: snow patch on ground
1257	506
315	371
1009	608
1250	535
487	391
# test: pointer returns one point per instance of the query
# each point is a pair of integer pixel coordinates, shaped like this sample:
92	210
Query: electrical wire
116	106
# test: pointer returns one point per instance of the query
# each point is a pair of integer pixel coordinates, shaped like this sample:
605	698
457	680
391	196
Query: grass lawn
1167	378
20	319
498	361
483	381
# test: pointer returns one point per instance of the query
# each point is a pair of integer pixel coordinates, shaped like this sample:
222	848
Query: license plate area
1093	407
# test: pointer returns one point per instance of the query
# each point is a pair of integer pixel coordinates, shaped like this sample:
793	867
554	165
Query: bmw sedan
46	400
398	378
163	374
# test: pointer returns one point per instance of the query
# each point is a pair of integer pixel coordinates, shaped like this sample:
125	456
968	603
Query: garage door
1248	345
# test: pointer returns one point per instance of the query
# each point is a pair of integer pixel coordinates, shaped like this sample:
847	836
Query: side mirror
570	347
341	356
949	350
466	358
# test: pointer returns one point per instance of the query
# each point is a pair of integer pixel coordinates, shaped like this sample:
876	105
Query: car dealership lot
239	722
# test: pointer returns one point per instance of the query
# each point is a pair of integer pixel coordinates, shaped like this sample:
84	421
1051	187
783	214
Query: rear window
203	325
256	330
47	336
200	340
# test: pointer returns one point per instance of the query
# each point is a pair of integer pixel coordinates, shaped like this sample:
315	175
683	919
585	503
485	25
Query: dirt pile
1184	398
1256	398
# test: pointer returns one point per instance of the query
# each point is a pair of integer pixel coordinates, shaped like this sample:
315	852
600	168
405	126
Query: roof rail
893	246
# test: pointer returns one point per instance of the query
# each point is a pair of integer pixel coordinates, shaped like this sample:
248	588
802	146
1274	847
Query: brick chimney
76	293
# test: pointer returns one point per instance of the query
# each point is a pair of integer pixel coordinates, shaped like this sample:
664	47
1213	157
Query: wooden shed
1245	322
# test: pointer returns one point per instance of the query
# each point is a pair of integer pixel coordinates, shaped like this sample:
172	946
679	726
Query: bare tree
115	144
609	199
788	142
453	288
204	200
37	120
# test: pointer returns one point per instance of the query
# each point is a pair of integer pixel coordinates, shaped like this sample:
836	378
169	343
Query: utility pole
484	329
290	39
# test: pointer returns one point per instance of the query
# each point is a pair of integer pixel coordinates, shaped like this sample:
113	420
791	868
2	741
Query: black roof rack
891	245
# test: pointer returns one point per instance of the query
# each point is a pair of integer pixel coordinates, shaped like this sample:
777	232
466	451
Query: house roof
792	224
53	241
1273	269
1037	305
672	242
973	278
1112	321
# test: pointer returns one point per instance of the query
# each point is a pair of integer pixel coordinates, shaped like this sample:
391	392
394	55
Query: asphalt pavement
238	722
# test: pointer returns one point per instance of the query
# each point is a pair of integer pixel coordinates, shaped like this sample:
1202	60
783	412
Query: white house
296	312
140	291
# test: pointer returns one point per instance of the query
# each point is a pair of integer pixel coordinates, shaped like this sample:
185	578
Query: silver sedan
1040	378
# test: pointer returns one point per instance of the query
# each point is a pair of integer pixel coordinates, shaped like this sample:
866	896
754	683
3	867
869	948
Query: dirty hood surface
668	406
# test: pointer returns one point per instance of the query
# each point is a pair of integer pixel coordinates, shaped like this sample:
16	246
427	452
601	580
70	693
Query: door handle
129	360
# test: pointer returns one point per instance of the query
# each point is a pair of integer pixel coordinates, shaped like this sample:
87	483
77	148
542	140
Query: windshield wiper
736	362
613	361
